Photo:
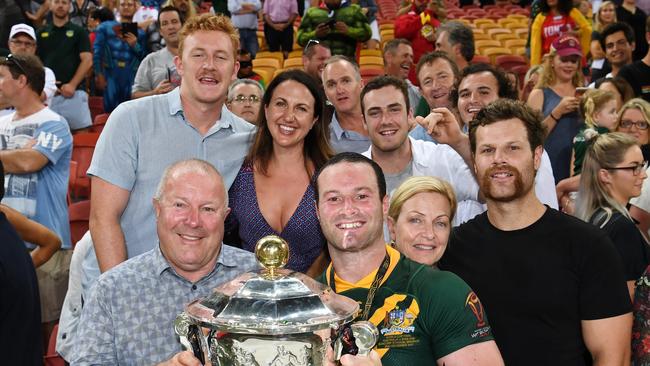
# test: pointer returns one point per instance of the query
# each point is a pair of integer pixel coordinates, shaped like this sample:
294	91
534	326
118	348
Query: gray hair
189	166
337	58
459	33
237	82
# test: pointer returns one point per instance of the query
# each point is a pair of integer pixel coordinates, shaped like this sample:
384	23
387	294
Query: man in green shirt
64	47
424	316
338	27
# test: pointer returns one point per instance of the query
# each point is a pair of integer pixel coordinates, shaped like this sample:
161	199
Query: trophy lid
273	300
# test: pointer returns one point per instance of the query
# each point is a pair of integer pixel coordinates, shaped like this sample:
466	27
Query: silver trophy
273	317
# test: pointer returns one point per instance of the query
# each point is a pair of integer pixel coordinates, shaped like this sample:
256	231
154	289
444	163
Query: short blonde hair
424	184
636	103
592	102
206	23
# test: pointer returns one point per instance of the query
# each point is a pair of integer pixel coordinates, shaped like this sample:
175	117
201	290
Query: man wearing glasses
22	41
244	98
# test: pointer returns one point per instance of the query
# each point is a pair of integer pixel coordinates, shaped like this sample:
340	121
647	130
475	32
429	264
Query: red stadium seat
98	122
507	62
479	59
79	215
83	146
52	358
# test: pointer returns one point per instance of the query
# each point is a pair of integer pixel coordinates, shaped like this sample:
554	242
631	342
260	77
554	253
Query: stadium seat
483	21
479	59
267	62
99	122
79	215
501	37
295	54
511	43
482	44
367	52
83	146
266	73
96	106
491	32
371	60
72	179
493	52
507	62
52	358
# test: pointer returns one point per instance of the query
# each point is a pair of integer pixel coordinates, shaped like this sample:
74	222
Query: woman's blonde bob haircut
424	184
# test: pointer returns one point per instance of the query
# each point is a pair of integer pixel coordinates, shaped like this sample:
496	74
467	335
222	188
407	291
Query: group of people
436	191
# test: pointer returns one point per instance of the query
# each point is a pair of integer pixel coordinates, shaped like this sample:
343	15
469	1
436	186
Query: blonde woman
555	97
612	173
186	8
419	218
605	16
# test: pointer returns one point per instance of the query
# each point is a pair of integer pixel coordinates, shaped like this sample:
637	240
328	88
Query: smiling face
476	91
636	116
504	163
290	114
399	62
190	216
622	184
565	67
386	118
342	86
207	66
422	228
436	80
618	50
606	14
314	65
246	102
349	207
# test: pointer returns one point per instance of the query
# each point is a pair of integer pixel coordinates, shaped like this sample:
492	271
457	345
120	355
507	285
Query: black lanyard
381	272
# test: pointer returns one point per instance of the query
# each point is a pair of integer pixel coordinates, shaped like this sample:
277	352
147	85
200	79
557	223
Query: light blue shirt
129	317
41	195
143	137
346	141
243	21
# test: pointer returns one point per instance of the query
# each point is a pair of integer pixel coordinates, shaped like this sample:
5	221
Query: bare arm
85	65
107	203
484	353
536	101
608	340
31	231
22	161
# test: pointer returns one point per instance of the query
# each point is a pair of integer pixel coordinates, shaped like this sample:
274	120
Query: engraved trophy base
306	349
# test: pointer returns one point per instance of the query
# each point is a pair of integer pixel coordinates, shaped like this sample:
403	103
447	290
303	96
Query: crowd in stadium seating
517	131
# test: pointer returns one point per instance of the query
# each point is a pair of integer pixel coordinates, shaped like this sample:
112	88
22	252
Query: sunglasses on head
310	44
12	59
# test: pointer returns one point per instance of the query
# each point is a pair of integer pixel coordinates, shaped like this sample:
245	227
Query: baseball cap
22	28
566	46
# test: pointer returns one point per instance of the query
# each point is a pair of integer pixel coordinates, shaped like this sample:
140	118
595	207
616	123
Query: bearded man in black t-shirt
552	285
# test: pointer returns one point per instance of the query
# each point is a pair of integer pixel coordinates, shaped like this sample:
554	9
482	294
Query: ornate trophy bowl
272	317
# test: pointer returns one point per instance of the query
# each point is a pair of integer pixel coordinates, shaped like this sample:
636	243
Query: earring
392	243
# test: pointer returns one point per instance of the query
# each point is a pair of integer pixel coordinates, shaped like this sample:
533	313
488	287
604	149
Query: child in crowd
598	108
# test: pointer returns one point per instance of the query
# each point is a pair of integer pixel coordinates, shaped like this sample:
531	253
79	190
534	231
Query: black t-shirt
637	22
638	75
627	239
539	282
20	309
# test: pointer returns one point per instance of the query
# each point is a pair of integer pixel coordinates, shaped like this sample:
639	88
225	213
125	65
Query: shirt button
193	287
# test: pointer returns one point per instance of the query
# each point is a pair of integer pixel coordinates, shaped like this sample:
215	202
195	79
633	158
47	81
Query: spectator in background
244	99
437	74
617	39
612	173
185	7
117	54
279	16
20	314
555	97
398	62
314	57
97	17
340	28
64	47
35	150
622	90
605	16
22	41
557	18
157	72
457	41
630	14
244	16
638	73
246	68
343	84
418	26
369	9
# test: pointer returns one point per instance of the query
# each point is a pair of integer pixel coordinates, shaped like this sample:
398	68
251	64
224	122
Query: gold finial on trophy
272	253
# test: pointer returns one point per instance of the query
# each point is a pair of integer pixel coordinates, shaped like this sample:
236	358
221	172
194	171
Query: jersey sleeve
632	248
603	292
455	316
53	140
115	158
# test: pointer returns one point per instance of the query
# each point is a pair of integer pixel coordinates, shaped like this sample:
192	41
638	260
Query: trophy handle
190	336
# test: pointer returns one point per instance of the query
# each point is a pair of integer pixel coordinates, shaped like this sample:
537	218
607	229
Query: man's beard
518	191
